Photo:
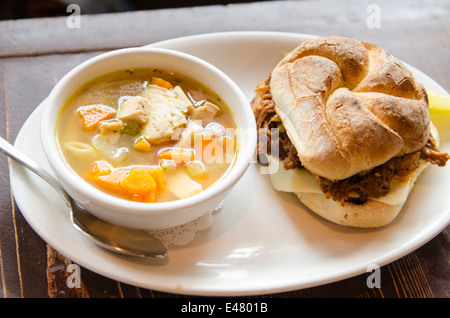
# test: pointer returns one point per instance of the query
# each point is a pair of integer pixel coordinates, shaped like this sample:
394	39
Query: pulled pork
268	124
356	189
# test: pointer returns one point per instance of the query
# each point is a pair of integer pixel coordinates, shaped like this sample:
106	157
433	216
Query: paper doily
185	233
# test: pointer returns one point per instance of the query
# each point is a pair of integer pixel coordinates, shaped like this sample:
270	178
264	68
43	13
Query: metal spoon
110	236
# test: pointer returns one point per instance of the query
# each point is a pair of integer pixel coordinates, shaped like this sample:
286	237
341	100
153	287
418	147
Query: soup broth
147	135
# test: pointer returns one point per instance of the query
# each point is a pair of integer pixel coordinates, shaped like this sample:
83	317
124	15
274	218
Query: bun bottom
368	215
371	214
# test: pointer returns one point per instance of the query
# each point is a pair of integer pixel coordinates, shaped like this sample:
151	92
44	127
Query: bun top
348	106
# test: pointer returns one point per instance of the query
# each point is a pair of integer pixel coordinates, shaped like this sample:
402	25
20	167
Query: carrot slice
149	197
161	82
112	181
158	175
92	115
99	168
178	155
229	144
137	197
206	140
139	181
212	152
141	144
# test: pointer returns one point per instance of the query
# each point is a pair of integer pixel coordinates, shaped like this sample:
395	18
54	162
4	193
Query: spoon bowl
113	237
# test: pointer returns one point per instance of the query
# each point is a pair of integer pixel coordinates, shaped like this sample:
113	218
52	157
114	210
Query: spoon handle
17	155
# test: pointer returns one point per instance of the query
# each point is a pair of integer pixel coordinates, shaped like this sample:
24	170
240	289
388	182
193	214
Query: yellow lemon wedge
439	106
438	102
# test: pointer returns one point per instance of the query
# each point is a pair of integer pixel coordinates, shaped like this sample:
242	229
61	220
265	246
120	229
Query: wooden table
34	54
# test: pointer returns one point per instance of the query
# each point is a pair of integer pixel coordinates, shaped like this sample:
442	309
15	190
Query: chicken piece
207	110
181	96
135	109
169	110
111	125
111	130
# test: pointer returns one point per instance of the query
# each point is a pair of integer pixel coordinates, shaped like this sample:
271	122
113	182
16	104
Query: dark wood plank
31	61
402	24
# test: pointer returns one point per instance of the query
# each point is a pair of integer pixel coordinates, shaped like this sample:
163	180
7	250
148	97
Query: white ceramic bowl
149	215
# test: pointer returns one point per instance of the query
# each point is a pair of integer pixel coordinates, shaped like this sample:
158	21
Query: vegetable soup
147	135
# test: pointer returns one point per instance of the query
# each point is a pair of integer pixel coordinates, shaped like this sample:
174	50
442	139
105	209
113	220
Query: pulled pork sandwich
351	129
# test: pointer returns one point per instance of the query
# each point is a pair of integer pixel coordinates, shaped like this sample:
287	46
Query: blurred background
22	9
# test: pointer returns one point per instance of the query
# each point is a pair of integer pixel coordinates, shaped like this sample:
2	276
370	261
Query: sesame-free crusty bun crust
348	106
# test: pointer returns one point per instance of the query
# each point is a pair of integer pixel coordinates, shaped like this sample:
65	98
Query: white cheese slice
300	180
292	180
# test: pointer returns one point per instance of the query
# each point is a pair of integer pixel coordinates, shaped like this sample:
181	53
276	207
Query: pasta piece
79	148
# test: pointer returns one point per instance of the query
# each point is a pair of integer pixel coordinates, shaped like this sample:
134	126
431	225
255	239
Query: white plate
261	241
